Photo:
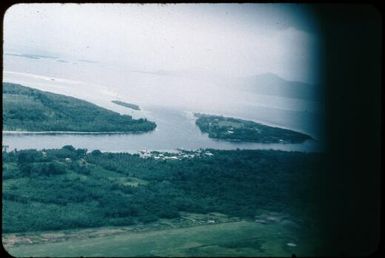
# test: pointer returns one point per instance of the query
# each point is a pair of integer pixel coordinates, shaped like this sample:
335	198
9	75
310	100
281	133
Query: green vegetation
241	238
26	109
228	203
69	188
238	130
125	104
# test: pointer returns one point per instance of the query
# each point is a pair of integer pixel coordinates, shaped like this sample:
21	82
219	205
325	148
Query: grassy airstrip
236	238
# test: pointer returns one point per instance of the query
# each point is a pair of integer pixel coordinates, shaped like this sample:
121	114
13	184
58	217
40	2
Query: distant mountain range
263	84
271	84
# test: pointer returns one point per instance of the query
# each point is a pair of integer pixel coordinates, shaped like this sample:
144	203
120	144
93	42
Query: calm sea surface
170	101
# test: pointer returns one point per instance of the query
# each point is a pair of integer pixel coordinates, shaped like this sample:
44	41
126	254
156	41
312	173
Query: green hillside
26	109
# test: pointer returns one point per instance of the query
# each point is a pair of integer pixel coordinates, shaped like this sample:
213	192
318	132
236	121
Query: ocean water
166	98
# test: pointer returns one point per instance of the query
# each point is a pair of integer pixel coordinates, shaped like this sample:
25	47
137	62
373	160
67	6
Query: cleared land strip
199	237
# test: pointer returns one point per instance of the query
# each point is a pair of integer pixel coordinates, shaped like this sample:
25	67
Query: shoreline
262	122
67	132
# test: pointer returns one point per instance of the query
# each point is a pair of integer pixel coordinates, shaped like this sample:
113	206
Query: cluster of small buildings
181	154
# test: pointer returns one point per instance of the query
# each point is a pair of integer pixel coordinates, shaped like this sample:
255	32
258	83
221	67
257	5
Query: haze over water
164	57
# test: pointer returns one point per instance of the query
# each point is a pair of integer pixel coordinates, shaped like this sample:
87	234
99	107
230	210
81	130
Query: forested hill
26	109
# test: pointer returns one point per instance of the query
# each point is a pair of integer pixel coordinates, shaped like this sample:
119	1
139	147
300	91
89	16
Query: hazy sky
229	39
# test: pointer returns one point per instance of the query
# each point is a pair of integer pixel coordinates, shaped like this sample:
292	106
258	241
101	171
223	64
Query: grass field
231	238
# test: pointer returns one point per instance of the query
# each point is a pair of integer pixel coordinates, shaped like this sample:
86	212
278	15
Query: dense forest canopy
71	188
26	109
239	130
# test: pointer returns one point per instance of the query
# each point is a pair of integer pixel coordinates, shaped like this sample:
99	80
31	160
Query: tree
96	153
69	147
28	156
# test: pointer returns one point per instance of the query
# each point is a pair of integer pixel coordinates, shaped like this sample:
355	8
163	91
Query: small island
27	109
238	130
125	104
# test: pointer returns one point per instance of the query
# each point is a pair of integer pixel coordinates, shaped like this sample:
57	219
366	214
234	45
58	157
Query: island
27	109
239	130
125	104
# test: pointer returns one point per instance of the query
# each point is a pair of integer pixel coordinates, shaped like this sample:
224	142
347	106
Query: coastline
66	132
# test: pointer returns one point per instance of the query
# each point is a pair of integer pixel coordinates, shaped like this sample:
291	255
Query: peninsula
27	109
239	130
